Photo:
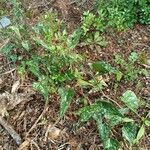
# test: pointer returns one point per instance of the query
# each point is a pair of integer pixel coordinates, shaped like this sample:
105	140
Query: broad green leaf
130	99
111	144
103	130
129	132
100	108
115	120
147	122
103	67
66	96
141	133
109	109
88	112
124	111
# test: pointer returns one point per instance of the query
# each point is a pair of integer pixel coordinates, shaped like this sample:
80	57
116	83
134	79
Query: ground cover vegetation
48	55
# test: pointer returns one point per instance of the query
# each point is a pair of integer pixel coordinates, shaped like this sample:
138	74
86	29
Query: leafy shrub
144	11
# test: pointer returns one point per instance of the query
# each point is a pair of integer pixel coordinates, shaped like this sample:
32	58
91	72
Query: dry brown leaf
3	108
15	87
53	133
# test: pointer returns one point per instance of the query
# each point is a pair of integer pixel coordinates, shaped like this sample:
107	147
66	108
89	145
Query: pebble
4	22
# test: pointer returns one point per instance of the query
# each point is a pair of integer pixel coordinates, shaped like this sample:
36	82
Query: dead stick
10	130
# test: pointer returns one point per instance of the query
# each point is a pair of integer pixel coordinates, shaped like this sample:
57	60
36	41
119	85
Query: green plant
44	53
127	69
144	11
107	116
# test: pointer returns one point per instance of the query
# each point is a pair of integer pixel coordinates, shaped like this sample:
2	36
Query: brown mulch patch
22	117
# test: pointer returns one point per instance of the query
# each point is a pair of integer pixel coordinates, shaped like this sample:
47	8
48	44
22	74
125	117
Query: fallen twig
11	131
34	125
7	72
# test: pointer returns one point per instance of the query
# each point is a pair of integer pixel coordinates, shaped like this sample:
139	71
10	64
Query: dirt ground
32	118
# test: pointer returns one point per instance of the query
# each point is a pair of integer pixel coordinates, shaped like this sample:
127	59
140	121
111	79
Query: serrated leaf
66	96
129	132
130	100
103	67
141	133
111	144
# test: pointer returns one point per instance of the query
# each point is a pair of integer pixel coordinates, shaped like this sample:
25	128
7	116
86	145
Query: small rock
4	22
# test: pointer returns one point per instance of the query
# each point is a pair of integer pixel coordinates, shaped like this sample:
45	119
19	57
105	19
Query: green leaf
100	108
130	99
109	109
83	83
25	45
66	97
41	42
111	144
88	112
75	37
141	133
119	75
103	130
33	67
103	67
42	87
133	57
147	122
129	132
127	120
115	120
16	30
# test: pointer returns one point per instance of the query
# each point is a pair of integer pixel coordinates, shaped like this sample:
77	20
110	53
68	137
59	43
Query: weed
114	116
127	69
